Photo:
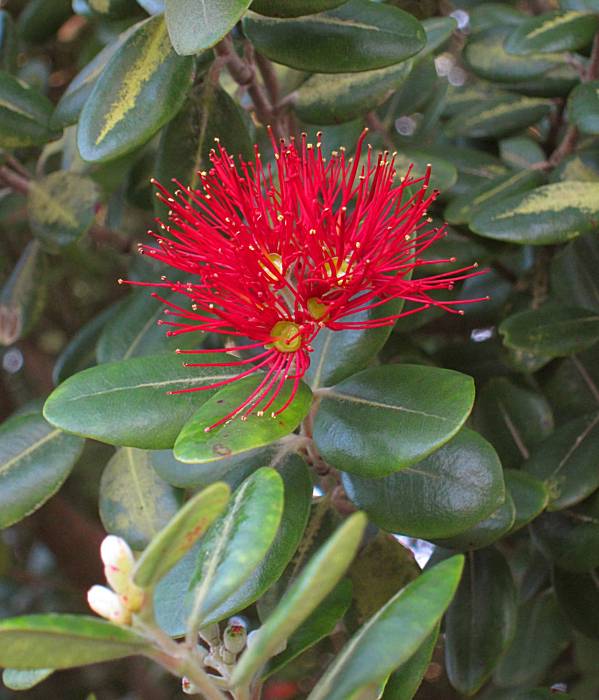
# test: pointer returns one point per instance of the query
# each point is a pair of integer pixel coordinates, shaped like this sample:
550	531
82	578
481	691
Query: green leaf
583	107
24	114
358	421
127	402
186	142
358	36
514	419
541	635
569	538
529	494
195	445
309	589
134	502
404	683
321	100
40	20
411	502
194	25
64	641
573	272
485	532
23	295
567	462
61	207
578	596
293	8
19	679
486	56
589	5
494	14
481	621
444	174
549	214
145	70
552	330
113	9
177	538
552	31
8	42
407	619
573	387
237	542
438	32
35	459
317	626
499	116
172	599
461	209
521	152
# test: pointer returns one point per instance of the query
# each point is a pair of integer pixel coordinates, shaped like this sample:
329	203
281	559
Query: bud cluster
124	597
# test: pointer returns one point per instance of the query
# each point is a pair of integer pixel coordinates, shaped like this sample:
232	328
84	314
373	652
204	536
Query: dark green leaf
569	538
114	9
438	31
549	214
64	641
494	14
194	25
40	19
35	459
412	502
541	635
529	494
574	272
145	70
404	683
583	107
177	538
24	114
313	584
521	152
197	445
578	596
61	207
321	100
358	36
552	330
407	619
8	42
127	402
134	502
359	419
293	8
481	621
553	31
19	679
573	388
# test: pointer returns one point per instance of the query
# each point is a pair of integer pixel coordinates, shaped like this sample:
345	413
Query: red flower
277	252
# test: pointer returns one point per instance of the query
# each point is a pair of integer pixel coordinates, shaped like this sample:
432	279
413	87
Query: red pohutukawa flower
276	252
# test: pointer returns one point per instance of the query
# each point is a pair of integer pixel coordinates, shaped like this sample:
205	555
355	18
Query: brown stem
269	77
592	71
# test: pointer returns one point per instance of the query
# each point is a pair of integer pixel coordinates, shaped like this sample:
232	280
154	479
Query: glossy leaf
578	596
173	599
553	31
530	496
196	445
357	36
321	100
448	492
583	107
497	117
20	679
408	619
313	584
61	207
177	538
194	26
236	543
573	387
549	214
481	621
64	641
573	272
144	70
569	538
552	330
35	459
293	8
404	683
358	420
127	402
541	634
24	114
134	502
513	418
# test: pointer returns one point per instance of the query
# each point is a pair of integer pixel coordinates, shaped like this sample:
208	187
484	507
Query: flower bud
234	637
118	563
188	687
108	605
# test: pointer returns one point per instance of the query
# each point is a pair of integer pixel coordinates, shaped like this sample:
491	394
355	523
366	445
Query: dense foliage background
96	97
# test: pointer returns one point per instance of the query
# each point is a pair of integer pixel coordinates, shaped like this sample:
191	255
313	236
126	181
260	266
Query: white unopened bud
118	562
108	605
188	687
234	637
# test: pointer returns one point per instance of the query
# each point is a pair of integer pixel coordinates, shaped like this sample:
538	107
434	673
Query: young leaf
407	619
174	540
313	584
359	419
64	641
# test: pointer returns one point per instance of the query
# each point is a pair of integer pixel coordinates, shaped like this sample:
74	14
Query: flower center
337	268
316	308
286	336
276	261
